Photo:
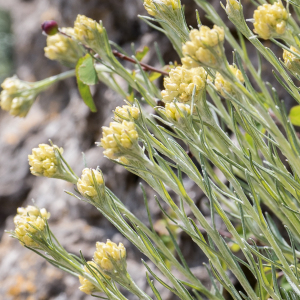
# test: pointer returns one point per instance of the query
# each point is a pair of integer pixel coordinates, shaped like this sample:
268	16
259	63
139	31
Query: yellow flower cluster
151	9
17	96
181	82
270	20
199	48
86	185
222	84
25	221
124	112
86	286
83	29
43	161
125	133
172	112
62	48
109	251
234	3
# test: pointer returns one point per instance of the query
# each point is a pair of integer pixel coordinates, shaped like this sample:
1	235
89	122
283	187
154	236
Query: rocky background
61	116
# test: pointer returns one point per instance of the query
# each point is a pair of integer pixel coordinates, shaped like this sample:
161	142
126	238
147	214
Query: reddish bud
50	27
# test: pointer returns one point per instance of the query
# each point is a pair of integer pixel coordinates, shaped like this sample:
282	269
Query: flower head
222	84
29	220
152	10
17	96
205	46
118	134
86	185
87	286
108	252
63	48
181	83
291	61
85	29
172	112
270	20
43	161
126	112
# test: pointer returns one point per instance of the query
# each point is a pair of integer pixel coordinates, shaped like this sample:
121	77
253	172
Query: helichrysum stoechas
43	161
62	48
222	84
270	20
152	10
17	96
172	112
86	185
181	83
106	252
123	112
28	221
123	133
205	46
87	286
85	28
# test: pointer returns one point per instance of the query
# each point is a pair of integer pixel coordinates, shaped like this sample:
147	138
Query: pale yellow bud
125	133
172	112
43	161
86	185
84	30
29	220
87	286
152	10
204	45
221	84
106	252
63	48
126	112
17	96
270	20
181	83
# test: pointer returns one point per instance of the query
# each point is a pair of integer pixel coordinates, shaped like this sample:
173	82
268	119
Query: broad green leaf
295	115
84	90
141	53
86	70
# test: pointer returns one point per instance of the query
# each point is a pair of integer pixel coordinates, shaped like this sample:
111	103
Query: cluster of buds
126	112
181	83
46	161
205	47
270	20
86	185
17	96
176	112
86	30
291	61
117	137
152	10
109	256
88	287
43	160
223	85
63	48
29	221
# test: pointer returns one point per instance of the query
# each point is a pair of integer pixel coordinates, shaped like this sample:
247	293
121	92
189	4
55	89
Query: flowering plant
227	117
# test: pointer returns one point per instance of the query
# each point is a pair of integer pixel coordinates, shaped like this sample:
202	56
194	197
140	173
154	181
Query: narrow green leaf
140	54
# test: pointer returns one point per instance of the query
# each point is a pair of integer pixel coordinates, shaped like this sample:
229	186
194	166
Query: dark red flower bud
50	27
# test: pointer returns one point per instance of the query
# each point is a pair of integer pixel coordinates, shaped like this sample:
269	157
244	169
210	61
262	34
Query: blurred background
60	115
